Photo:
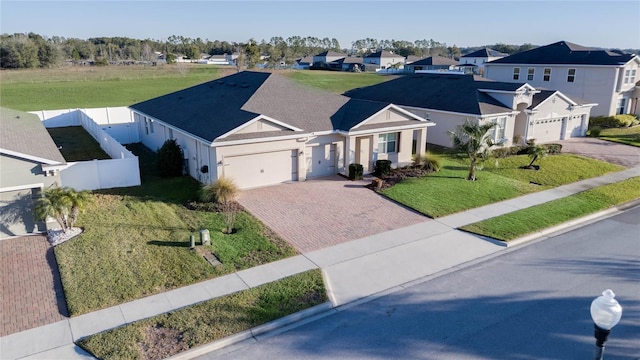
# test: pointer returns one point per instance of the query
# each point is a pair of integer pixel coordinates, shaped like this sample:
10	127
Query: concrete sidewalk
353	270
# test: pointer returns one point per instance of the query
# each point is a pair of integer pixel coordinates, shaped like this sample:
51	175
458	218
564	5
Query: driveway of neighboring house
625	155
318	213
30	283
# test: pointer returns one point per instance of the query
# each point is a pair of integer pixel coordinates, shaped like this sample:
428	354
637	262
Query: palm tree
56	204
79	200
475	141
535	152
223	191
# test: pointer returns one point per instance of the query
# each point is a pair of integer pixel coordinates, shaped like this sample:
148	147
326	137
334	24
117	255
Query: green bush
431	162
170	159
355	171
383	167
595	131
615	121
551	148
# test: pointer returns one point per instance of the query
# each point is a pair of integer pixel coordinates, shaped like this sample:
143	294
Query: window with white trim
516	73
530	73
620	108
633	76
627	76
547	74
387	143
571	75
498	130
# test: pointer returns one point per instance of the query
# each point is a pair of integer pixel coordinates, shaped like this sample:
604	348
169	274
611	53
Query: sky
607	24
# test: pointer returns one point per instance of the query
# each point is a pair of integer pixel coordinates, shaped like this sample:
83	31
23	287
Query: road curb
572	223
253	332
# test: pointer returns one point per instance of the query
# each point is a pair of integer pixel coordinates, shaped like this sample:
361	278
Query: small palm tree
535	152
78	200
475	141
224	192
56	204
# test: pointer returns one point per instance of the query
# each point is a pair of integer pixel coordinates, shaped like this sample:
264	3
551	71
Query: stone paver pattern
32	293
322	212
621	154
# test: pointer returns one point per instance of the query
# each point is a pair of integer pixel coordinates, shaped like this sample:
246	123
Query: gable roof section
23	135
330	53
445	92
383	54
435	60
485	53
566	53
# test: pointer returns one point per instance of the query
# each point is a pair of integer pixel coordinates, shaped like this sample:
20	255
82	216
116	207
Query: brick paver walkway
30	285
318	213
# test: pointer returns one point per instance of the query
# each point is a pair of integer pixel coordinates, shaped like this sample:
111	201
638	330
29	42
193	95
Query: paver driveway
318	213
625	155
31	289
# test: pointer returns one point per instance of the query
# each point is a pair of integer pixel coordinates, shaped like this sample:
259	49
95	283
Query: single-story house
384	59
478	58
520	111
433	63
29	162
261	129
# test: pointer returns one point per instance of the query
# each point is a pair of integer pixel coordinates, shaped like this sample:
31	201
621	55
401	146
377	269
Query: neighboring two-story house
478	58
384	59
520	111
599	76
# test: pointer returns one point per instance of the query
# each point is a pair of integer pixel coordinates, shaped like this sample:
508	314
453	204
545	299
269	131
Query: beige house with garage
29	162
262	129
520	111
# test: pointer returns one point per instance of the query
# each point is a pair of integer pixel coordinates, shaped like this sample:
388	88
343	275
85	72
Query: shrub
615	121
431	162
524	150
355	171
595	131
170	159
383	167
223	192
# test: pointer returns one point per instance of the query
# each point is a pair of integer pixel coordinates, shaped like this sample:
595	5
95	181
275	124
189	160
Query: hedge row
523	150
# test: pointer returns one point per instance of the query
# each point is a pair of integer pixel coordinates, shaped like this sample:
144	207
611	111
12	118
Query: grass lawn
162	336
629	135
136	243
336	81
447	191
89	87
77	144
514	225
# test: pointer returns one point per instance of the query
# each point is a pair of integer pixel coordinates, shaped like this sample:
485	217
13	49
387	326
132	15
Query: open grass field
628	135
514	225
136	243
165	335
447	191
92	86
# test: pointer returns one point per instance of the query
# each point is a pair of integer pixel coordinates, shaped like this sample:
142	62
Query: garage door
321	160
255	170
16	213
547	130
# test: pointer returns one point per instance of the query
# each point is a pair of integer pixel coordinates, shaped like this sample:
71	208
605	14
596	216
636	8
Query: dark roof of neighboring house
412	58
24	133
305	60
215	108
382	54
331	53
563	52
446	92
350	60
435	60
486	52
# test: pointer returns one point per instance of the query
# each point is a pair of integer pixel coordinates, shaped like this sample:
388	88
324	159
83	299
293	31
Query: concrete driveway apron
318	213
625	155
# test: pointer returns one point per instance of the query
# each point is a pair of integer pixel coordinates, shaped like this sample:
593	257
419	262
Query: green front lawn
165	335
517	224
136	243
447	191
628	135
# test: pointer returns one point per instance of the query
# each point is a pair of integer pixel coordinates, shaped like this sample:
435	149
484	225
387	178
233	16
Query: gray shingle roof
435	60
486	52
566	53
331	53
447	92
382	54
214	108
24	133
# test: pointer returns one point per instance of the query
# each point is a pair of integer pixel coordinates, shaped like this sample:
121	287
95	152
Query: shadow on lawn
169	243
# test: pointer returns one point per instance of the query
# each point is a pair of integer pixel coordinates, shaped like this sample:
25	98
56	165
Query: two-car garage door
548	130
255	170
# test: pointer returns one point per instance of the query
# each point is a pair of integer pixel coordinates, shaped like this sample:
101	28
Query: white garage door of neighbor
547	130
321	160
255	170
16	213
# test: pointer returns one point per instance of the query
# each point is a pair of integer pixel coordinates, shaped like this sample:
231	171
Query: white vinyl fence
110	127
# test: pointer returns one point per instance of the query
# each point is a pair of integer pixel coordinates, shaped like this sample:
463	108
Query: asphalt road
530	302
